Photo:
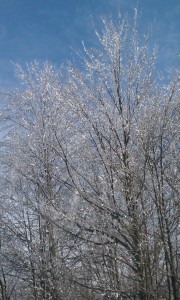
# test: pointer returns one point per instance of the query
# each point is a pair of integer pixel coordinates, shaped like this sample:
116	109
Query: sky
53	30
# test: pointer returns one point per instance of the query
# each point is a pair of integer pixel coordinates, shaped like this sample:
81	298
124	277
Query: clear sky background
50	29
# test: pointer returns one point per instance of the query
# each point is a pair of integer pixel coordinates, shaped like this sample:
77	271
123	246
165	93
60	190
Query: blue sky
50	29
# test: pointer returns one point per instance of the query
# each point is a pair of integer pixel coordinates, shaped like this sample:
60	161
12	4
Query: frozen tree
90	176
37	179
160	146
112	101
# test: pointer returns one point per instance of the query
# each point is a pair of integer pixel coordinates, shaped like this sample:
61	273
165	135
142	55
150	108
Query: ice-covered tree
90	176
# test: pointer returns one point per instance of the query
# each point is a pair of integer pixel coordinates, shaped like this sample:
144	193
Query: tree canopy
90	176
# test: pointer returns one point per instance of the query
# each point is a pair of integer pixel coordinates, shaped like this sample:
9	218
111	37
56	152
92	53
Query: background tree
37	180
